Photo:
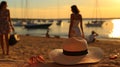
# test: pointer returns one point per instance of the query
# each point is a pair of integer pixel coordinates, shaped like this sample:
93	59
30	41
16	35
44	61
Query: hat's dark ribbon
75	53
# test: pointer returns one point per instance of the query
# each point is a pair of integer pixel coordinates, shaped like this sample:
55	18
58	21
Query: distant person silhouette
5	27
75	22
92	37
47	33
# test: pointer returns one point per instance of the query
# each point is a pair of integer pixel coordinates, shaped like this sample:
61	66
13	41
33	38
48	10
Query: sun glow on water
116	29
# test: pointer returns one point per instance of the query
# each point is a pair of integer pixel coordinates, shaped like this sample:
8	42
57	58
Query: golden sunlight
116	29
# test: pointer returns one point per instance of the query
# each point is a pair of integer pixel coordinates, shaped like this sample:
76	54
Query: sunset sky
61	8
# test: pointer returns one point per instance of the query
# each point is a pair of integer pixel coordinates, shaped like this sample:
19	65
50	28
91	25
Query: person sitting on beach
47	33
92	37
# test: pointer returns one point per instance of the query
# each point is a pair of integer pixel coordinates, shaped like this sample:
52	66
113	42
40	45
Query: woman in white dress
75	20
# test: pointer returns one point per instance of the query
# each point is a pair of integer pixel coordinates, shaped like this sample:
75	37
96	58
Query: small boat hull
95	24
35	26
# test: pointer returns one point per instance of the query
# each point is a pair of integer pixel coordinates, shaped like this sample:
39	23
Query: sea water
107	30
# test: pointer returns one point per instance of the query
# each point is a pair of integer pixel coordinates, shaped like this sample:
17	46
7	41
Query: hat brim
94	55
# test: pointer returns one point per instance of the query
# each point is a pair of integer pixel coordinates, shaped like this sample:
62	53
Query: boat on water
39	25
35	26
19	23
59	22
95	23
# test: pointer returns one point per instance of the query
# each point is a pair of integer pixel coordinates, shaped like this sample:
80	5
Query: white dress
75	30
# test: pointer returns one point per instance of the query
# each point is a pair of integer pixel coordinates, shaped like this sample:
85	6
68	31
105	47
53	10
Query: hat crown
75	44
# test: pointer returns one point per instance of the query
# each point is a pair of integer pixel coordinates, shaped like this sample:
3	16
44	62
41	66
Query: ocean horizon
106	18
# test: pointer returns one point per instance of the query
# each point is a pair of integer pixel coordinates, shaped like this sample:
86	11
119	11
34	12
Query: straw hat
76	51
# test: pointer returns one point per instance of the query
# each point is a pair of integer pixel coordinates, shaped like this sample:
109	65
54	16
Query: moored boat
34	26
95	24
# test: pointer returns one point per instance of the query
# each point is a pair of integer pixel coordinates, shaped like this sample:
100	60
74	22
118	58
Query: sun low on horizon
115	31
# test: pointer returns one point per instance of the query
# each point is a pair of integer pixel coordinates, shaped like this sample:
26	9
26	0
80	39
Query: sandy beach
33	45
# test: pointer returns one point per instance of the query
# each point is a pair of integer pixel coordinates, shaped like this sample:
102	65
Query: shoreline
33	45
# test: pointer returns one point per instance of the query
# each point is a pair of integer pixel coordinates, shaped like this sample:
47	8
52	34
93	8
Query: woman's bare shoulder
72	14
7	9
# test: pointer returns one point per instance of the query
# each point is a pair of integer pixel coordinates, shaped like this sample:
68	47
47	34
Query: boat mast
22	8
58	13
96	4
26	9
58	9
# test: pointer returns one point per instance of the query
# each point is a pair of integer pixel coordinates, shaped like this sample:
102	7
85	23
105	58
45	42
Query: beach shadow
11	63
56	65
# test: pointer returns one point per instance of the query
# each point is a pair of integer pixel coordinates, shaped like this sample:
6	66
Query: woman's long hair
2	4
75	9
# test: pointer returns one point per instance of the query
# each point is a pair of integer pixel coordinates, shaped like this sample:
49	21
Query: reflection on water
110	29
60	30
116	29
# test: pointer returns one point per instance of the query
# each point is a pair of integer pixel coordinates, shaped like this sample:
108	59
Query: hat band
75	53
